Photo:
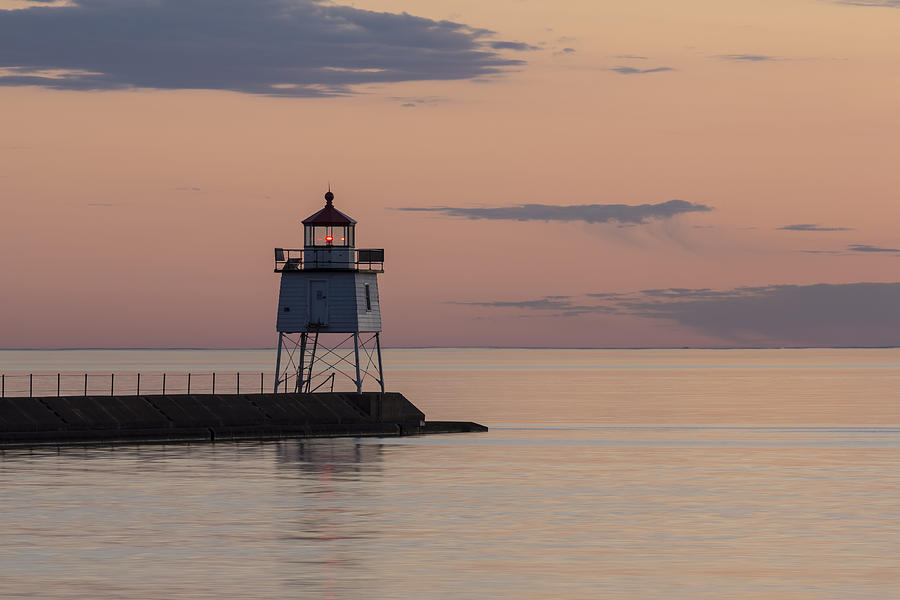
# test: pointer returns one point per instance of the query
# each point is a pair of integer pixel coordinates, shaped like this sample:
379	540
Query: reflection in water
327	533
683	475
329	456
678	513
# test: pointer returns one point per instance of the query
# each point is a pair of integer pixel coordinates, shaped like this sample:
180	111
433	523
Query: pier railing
18	385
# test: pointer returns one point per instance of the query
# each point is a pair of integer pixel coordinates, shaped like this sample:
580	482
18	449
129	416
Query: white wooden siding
346	301
293	295
368	320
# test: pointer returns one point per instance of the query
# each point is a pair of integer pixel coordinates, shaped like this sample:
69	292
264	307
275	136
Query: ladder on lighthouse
304	382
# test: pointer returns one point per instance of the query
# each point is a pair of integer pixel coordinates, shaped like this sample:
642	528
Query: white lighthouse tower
328	299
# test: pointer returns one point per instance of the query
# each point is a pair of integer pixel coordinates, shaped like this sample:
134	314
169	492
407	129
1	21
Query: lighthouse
329	314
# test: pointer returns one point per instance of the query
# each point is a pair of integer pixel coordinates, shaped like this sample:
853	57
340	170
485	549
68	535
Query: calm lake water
606	474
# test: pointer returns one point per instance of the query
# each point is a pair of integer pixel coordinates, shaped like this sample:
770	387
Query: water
613	474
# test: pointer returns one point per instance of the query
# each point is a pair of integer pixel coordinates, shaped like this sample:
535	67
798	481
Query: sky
577	173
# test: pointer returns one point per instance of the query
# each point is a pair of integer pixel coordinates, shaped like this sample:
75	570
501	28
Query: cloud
874	249
589	213
858	249
545	303
411	102
747	57
518	46
632	57
876	3
560	306
633	71
849	314
853	314
271	47
812	227
680	293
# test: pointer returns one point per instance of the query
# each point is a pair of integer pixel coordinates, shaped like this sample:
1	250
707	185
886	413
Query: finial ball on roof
329	197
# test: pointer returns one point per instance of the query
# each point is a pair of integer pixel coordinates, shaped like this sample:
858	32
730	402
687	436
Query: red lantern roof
329	215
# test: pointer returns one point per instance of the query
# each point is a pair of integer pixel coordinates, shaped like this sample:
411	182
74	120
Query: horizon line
273	348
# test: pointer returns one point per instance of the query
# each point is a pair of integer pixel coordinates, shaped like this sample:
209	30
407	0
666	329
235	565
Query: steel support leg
278	362
300	365
356	353
312	362
380	369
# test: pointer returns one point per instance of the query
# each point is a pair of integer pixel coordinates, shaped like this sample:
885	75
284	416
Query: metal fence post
3	385
189	384
260	383
138	391
164	384
238	386
85	385
214	384
30	385
112	384
58	377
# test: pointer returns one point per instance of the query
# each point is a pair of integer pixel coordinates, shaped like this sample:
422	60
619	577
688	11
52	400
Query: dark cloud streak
589	213
747	57
872	249
857	249
635	71
546	303
853	314
812	227
561	306
850	314
270	47
518	46
872	3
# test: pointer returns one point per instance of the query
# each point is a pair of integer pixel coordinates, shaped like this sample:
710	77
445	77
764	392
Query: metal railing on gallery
295	259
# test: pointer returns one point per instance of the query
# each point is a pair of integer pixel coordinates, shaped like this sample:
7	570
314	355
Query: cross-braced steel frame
309	364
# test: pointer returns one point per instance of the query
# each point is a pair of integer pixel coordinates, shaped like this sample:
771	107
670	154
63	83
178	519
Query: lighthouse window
329	235
368	299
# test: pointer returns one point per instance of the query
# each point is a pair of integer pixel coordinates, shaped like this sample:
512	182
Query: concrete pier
211	417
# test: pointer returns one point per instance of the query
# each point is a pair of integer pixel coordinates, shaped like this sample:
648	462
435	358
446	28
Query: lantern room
328	228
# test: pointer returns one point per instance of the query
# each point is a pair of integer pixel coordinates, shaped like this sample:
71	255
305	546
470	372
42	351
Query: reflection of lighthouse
318	457
328	298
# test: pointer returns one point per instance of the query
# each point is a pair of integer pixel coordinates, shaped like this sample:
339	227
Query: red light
329	238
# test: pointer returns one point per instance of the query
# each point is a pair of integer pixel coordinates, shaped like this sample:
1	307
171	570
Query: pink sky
145	217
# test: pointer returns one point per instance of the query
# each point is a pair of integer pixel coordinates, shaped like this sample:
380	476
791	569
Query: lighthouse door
318	302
